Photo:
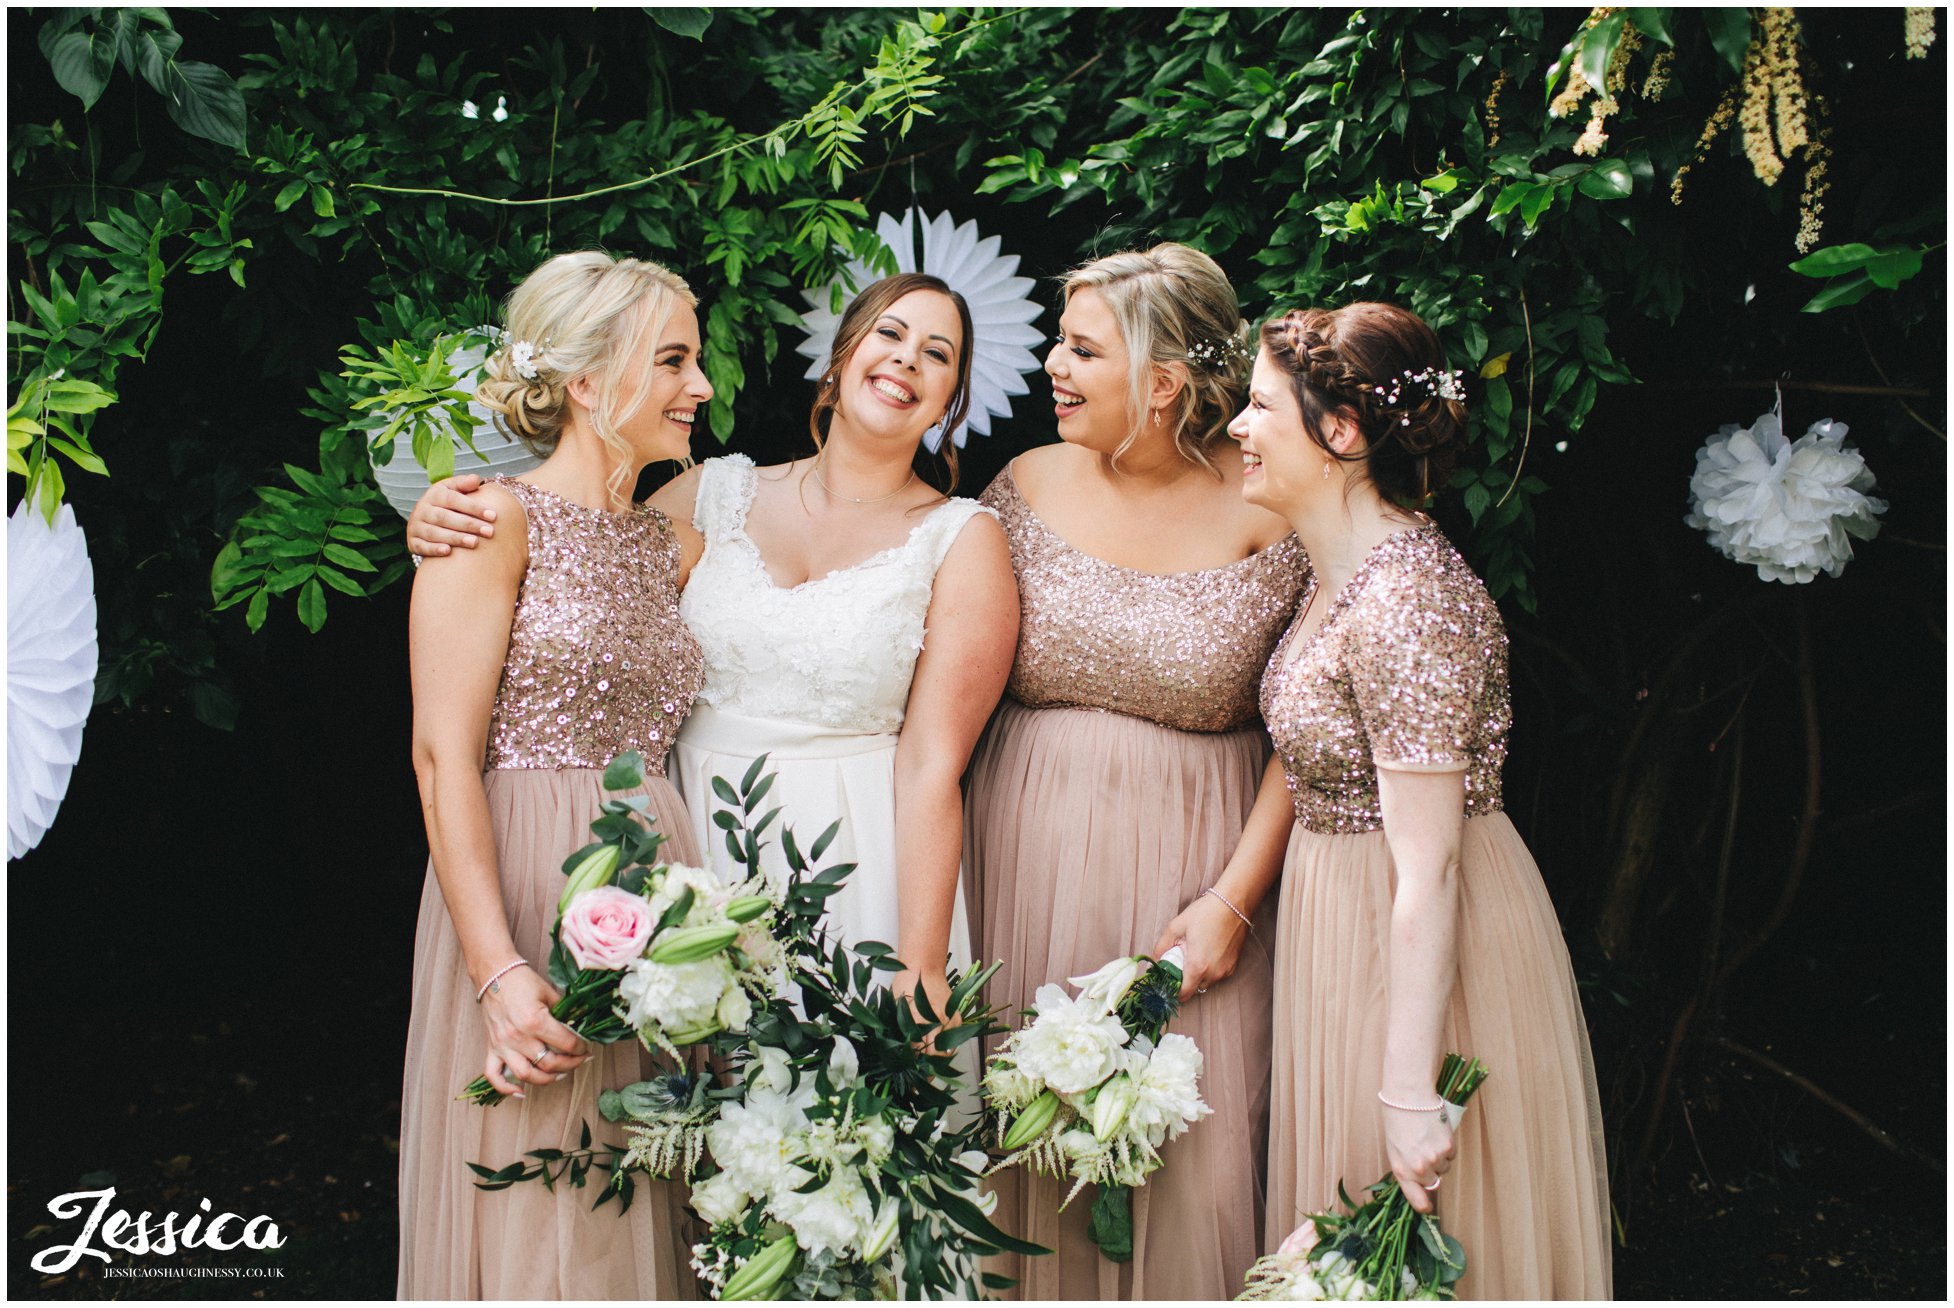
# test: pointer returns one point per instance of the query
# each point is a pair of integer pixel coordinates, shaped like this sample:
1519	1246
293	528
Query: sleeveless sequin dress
598	663
1108	791
1408	671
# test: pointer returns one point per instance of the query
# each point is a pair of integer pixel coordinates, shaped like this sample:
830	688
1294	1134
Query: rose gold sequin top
1406	671
599	661
1181	649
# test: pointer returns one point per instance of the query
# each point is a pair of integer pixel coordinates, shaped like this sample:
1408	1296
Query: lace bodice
835	651
599	661
1182	649
1406	671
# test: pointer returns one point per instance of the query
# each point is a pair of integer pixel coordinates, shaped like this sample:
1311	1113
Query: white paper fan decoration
51	658
987	280
402	479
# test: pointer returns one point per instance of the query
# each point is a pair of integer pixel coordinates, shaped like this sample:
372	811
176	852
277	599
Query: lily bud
1109	984
747	907
690	944
1111	1105
1031	1123
757	1278
596	870
884	1235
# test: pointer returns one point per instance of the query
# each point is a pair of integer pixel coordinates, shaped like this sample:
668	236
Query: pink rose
1301	1240
606	928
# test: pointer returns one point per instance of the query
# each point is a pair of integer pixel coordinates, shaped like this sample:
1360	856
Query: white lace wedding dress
816	677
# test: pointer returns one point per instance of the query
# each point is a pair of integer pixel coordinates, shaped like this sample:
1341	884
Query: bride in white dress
858	626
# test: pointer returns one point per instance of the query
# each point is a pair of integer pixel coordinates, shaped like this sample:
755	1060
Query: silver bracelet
1231	908
501	972
1438	1107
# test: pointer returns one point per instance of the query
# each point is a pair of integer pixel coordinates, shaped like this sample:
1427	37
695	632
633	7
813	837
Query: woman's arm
456	512
458	634
1424	816
1209	933
972	637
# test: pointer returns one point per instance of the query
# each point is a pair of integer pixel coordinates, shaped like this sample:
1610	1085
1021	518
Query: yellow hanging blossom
1660	69
1719	120
1492	109
1755	115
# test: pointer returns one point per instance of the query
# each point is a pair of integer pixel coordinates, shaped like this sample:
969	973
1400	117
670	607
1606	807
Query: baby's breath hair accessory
1441	383
1219	355
522	357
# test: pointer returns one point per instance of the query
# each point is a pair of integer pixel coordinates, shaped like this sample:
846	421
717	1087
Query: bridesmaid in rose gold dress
1413	920
1116	775
536	659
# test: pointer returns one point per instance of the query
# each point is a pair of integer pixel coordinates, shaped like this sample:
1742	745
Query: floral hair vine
1441	383
1217	355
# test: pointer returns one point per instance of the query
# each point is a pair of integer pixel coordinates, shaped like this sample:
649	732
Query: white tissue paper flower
1000	313
1787	508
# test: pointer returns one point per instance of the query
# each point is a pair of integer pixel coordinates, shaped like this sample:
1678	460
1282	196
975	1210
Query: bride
858	626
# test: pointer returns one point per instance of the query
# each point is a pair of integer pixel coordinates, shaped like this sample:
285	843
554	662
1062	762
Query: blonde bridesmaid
1114	779
1413	921
536	658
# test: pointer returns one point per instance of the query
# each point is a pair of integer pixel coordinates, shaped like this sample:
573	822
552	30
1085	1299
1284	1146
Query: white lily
1110	983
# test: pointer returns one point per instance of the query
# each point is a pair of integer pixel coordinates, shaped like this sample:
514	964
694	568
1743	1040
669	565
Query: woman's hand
525	1043
1211	937
447	515
1421	1149
935	986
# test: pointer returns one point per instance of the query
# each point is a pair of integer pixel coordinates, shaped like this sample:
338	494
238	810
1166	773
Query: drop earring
1326	468
1156	417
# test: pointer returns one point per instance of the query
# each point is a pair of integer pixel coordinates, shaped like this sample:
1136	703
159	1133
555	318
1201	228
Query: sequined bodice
599	661
836	651
1181	649
1407	671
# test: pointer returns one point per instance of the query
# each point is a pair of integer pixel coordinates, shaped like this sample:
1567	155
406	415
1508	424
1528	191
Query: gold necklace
850	498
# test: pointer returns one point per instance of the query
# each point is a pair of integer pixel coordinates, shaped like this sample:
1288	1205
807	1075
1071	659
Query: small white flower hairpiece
1443	383
522	357
1224	353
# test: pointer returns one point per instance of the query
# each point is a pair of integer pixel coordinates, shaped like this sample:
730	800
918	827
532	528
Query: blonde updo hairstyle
1361	362
1176	309
585	314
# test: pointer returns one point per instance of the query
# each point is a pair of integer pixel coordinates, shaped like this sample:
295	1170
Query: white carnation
755	1144
1071	1046
719	1199
708	895
1169	1096
674	995
735	1009
1789	508
839	1216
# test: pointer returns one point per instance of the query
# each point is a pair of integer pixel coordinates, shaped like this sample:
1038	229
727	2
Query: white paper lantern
1000	314
51	660
403	480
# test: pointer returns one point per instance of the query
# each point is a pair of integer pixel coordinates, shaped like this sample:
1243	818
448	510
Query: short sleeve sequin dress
598	663
1407	672
1108	791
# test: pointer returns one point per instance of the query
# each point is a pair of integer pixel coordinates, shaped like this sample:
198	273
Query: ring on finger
1435	1183
543	1053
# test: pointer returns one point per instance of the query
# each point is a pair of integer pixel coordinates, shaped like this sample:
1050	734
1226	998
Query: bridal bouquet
655	949
821	1145
1091	1087
1383	1250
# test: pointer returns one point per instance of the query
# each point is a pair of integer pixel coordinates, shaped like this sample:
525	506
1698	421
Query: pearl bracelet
1231	908
501	972
1438	1107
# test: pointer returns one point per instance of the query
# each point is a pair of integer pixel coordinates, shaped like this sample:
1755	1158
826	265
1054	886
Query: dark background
211	948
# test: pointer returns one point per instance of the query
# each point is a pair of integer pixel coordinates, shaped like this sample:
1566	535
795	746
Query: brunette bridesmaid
536	658
1413	921
1114	780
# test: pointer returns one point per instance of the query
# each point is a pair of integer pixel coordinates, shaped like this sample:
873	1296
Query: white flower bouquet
819	1144
1385	1249
1092	1086
650	948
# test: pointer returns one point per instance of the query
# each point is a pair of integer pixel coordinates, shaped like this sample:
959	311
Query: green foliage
83	47
1855	270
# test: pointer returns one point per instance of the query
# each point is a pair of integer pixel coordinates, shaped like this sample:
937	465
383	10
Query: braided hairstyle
582	314
1175	307
1362	362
